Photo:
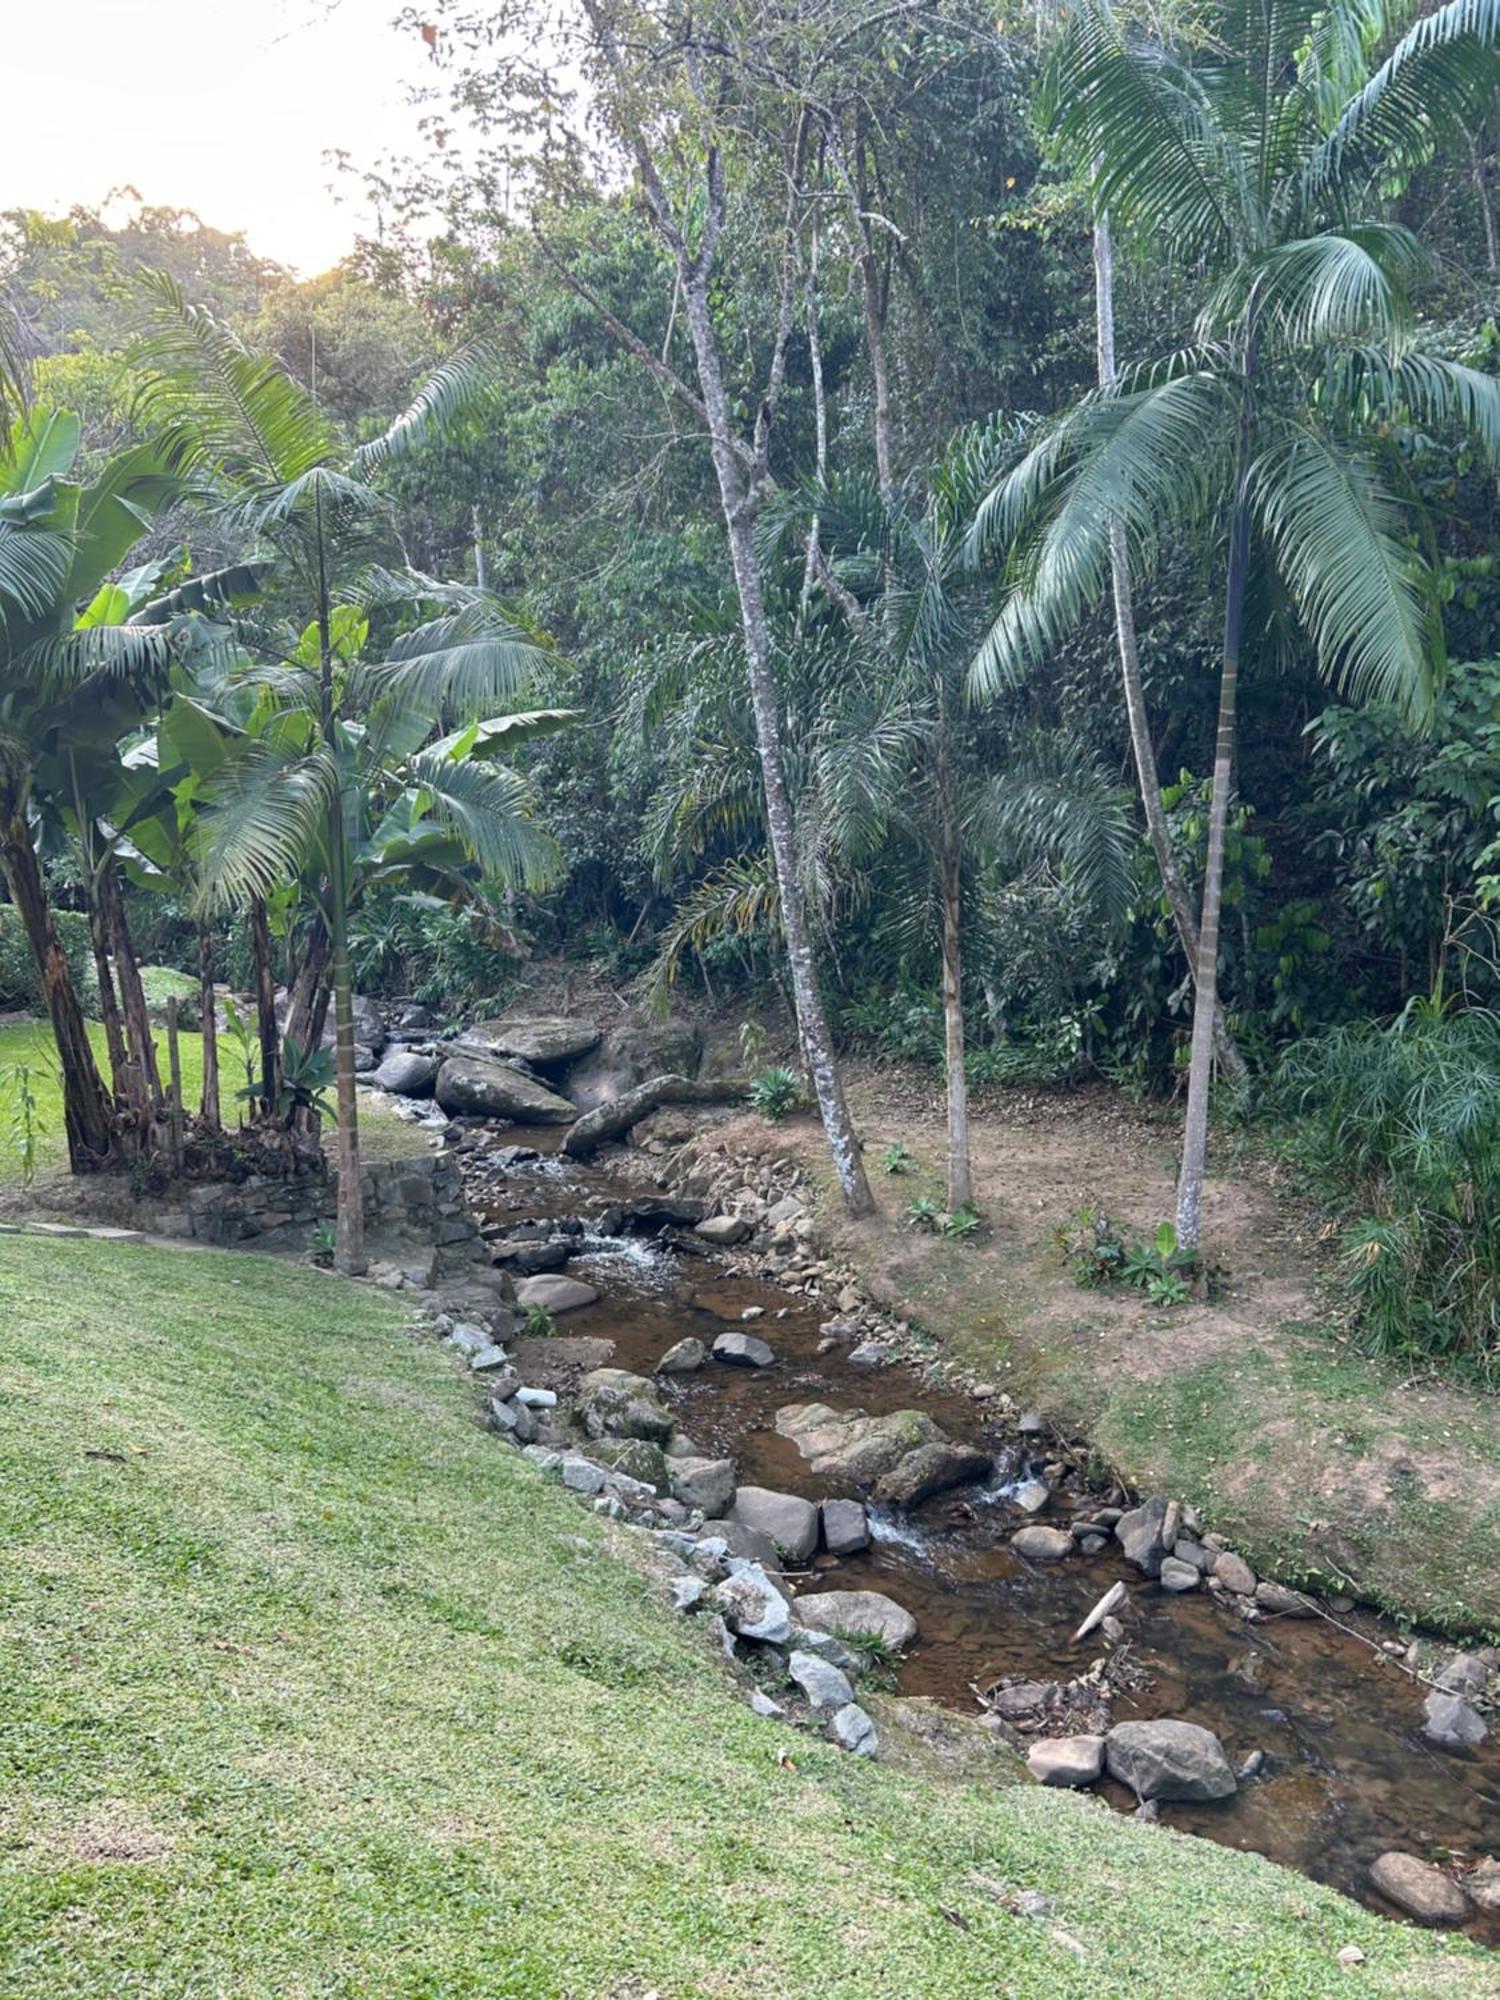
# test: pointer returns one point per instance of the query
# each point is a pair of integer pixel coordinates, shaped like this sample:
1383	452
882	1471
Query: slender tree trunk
209	1006
88	1116
1179	902
132	992
1206	969
349	1248
737	504
109	1000
307	1007
950	862
265	1006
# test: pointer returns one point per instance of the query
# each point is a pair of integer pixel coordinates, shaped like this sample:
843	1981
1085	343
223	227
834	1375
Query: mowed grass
28	1044
311	1688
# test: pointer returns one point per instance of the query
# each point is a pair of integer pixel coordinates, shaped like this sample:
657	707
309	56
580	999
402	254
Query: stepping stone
742	1350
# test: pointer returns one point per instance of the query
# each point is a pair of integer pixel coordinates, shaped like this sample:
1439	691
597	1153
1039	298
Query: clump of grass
775	1091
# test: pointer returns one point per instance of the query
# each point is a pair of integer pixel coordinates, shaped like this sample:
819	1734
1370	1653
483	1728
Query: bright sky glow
225	106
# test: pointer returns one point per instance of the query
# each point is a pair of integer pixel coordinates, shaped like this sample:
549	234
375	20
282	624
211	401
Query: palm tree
1264	163
895	755
80	662
291	801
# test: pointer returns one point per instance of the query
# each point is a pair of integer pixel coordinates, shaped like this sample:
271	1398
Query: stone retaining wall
417	1200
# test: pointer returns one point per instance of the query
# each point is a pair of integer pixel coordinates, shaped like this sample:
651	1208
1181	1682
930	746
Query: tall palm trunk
950	871
109	999
87	1112
265	1006
349	1246
738	504
1174	887
1206	967
209	1008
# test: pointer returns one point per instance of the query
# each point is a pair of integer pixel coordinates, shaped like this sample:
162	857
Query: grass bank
312	1688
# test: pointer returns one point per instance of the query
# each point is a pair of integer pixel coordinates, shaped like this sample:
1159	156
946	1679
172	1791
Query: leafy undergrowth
312	1688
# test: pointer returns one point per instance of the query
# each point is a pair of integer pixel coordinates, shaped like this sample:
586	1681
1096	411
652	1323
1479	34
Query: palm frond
1055	803
462	665
1337	286
267	820
465	386
1363	599
737	900
33	568
490	810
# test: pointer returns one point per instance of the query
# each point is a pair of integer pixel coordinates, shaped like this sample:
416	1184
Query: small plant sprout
963	1223
923	1211
897	1159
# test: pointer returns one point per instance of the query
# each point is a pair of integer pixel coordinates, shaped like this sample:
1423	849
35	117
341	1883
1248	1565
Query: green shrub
21	983
775	1091
1399	1128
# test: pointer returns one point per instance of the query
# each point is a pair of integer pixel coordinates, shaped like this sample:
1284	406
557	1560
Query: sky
224	106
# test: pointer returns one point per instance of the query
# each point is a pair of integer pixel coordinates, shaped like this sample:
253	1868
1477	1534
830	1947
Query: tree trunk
109	1001
737	505
950	868
132	993
1175	889
265	1007
87	1112
208	1109
307	1002
1206	967
349	1246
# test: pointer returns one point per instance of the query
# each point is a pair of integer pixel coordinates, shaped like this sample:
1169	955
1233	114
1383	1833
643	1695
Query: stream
1347	1772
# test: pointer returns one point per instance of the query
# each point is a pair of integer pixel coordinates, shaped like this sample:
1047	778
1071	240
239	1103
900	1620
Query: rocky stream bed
678	1354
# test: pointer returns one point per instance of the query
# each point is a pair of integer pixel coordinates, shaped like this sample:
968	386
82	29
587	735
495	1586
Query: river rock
631	1053
745	1544
723	1230
1235	1574
683	1358
785	1519
1482	1886
1462	1673
1282	1601
1169	1760
614	1403
1040	1544
1022	1698
930	1469
743	1350
855	1731
1448	1720
753	1607
1188	1551
1032	1495
581	1475
1066	1760
846	1527
635	1458
406	1074
554	1293
1422	1891
822	1682
1139	1534
546	1041
860	1612
848	1448
707	1483
470	1086
1178	1575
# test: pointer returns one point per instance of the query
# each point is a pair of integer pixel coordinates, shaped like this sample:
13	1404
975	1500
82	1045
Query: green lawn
29	1043
312	1688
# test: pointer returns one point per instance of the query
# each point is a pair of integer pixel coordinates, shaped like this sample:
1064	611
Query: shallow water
1347	1773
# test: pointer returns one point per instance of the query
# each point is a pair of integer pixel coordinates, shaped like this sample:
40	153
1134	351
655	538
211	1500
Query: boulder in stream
406	1074
1139	1534
1169	1760
864	1613
705	1483
1066	1760
1420	1890
723	1230
1041	1544
476	1087
546	1041
555	1293
789	1522
846	1527
614	1403
753	1607
1448	1720
683	1358
743	1350
869	1454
